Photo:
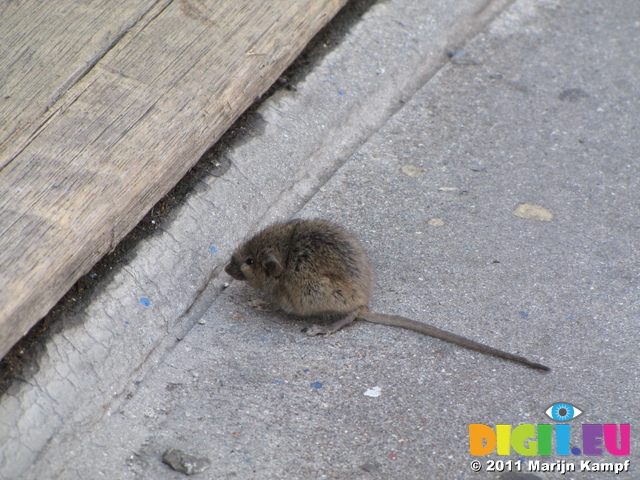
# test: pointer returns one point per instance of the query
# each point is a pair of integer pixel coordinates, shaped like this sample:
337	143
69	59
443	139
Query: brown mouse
316	268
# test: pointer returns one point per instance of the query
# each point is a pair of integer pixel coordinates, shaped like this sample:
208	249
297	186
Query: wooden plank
124	134
46	48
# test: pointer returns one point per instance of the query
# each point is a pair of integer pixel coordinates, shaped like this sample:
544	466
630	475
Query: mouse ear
271	264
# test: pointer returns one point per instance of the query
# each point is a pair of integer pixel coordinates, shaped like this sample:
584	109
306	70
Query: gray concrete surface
425	161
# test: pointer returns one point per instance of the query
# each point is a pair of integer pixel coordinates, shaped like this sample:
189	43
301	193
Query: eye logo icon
563	412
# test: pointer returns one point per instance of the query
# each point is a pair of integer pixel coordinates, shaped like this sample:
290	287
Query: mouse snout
233	269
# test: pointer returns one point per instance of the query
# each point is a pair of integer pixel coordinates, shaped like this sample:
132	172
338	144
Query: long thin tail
430	330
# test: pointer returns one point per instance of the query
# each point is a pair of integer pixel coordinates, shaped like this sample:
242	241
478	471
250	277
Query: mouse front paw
261	305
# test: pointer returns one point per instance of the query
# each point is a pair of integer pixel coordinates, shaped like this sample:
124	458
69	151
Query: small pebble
371	467
412	170
185	462
532	212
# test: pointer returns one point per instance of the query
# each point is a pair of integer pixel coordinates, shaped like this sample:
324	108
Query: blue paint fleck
213	249
305	370
145	302
524	314
263	339
93	276
316	384
576	451
569	318
247	460
126	322
340	93
278	382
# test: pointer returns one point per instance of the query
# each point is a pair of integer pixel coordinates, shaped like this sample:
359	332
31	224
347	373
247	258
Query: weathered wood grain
123	133
46	48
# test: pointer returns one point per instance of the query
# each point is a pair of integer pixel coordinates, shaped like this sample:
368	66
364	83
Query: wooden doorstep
105	108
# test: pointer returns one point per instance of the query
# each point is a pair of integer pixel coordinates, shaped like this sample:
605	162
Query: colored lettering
592	439
529	440
544	439
563	439
503	432
611	439
522	435
482	439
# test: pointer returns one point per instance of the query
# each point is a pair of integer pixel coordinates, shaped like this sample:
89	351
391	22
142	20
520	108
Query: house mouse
316	268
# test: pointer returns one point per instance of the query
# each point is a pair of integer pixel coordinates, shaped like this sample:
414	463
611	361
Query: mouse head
259	261
255	268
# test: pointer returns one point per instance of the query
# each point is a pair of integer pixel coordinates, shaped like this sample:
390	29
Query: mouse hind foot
314	330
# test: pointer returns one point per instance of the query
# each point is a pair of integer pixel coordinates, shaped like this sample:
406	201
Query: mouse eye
249	261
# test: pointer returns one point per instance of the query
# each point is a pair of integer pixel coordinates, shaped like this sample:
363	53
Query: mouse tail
430	330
